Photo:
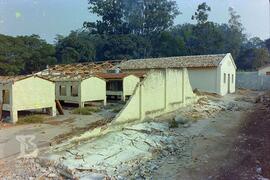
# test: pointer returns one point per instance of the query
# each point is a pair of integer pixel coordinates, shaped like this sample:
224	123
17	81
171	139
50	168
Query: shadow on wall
162	91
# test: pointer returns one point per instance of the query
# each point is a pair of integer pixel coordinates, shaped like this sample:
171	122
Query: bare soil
251	151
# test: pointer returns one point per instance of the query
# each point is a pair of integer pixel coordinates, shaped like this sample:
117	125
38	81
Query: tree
111	13
123	47
140	17
234	21
267	44
251	59
235	37
78	46
166	45
201	14
24	54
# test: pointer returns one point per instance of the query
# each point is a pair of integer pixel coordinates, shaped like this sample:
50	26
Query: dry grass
85	111
31	119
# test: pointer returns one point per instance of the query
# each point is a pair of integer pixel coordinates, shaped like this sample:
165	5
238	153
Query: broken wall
162	91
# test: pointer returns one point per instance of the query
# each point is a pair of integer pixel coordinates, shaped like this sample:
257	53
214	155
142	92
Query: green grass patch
173	124
85	111
31	119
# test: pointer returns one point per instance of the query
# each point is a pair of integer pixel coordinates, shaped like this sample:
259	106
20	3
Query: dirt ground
251	150
51	132
224	138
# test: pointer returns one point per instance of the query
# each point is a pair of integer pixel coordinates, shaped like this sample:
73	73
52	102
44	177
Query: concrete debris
128	150
181	120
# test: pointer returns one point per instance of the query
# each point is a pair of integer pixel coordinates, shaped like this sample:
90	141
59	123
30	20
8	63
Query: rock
52	175
232	107
197	92
187	125
259	170
180	119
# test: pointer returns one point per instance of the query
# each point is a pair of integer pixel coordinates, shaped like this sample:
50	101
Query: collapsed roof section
81	68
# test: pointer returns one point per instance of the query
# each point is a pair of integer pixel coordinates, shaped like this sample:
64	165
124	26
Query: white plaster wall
153	92
129	84
33	93
160	92
204	79
264	70
93	89
227	66
174	86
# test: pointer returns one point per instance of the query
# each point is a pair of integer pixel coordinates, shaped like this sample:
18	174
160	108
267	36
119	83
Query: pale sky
50	17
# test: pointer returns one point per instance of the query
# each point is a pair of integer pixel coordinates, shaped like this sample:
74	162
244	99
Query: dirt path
212	143
209	148
251	152
47	133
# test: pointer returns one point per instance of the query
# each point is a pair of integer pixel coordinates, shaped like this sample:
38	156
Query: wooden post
59	107
1	106
1	111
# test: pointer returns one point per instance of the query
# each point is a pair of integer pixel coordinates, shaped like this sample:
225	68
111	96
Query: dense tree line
24	54
128	29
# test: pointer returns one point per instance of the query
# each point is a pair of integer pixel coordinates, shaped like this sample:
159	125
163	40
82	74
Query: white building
21	93
121	84
78	89
265	70
208	73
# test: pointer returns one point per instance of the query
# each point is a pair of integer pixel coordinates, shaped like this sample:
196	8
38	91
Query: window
232	78
74	91
224	78
114	85
5	96
63	90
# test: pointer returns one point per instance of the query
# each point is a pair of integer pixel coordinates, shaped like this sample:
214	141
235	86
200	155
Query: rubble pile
123	153
28	168
204	108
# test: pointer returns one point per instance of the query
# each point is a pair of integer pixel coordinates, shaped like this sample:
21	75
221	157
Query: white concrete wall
204	79
93	89
129	84
33	93
30	94
227	67
161	91
263	71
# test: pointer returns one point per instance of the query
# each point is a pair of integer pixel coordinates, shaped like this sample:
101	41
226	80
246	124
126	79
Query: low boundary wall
252	80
